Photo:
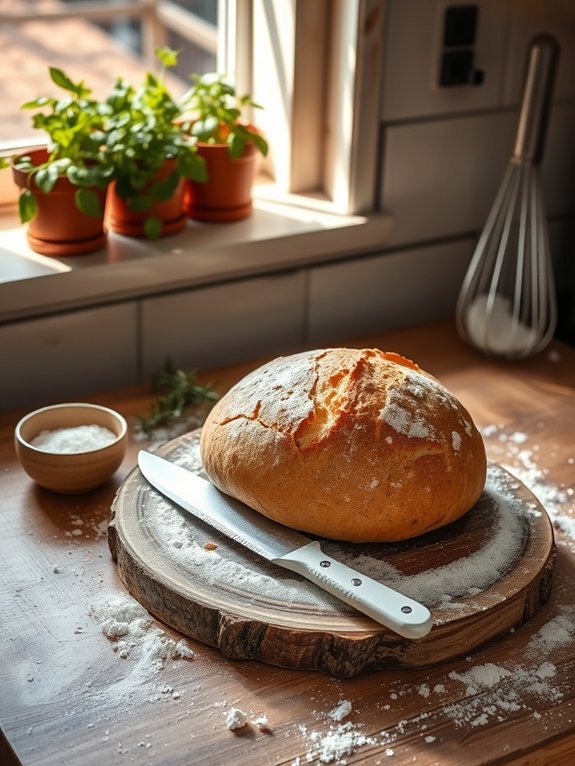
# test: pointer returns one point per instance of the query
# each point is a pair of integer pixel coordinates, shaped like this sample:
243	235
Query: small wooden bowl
70	472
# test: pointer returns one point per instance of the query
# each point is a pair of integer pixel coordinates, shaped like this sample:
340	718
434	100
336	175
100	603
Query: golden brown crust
357	445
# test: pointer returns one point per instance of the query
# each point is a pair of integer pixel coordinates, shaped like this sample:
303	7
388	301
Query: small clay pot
171	213
60	228
227	194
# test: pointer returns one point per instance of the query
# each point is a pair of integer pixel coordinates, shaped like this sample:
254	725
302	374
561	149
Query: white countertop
276	237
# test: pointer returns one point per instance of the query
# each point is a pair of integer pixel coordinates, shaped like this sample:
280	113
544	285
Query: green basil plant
74	125
216	112
142	133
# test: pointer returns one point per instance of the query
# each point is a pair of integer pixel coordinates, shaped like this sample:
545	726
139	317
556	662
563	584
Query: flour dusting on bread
358	445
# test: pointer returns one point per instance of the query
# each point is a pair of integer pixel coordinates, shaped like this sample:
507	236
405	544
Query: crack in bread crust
253	417
357	445
330	400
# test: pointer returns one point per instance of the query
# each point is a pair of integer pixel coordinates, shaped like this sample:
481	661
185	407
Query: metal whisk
507	305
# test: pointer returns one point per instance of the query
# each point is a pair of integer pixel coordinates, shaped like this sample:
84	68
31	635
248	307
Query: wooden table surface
68	696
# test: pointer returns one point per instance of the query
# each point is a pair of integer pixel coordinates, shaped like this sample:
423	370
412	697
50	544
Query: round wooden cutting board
481	576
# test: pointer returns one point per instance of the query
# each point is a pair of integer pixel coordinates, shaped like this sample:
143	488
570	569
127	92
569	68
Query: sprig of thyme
178	392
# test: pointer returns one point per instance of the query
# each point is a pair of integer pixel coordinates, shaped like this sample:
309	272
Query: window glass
107	43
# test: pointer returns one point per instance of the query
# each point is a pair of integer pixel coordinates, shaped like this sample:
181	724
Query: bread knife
285	547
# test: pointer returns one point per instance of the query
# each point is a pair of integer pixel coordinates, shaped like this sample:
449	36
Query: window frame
324	126
323	130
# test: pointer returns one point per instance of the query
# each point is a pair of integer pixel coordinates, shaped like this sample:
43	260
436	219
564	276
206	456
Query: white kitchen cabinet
68	356
222	324
368	295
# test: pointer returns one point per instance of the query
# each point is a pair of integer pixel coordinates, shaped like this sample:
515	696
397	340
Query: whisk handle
536	101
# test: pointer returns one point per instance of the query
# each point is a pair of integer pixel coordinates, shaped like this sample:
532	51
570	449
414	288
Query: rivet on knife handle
385	605
284	546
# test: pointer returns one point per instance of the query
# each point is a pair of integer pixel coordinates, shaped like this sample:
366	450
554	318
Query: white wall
444	150
442	155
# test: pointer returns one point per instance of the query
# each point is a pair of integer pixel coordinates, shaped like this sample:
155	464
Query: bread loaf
355	445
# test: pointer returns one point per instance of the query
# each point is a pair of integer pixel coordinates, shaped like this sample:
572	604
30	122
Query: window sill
277	237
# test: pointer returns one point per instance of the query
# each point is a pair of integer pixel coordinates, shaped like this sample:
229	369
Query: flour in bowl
75	439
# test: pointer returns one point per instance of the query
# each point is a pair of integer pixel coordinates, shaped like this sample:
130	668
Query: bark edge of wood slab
334	639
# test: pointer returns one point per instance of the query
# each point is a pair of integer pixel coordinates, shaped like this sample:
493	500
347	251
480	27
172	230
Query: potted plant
63	184
151	155
229	146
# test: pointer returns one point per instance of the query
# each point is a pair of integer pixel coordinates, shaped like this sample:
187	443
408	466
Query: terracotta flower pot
60	228
171	213
227	195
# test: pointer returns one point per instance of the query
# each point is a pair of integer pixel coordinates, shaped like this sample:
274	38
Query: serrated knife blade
284	547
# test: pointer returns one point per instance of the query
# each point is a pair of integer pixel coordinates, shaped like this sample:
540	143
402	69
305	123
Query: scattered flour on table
236	719
344	739
521	460
558	632
91	526
262	722
339	741
340	712
495	693
482	676
136	639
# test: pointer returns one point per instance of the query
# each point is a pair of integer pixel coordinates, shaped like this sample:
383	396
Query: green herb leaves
216	114
74	126
178	393
27	206
142	134
139	137
87	201
63	81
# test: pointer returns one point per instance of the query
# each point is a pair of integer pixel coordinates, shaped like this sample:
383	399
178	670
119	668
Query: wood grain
69	700
255	616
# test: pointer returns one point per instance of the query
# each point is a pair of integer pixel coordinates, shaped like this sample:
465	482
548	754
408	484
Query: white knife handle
403	615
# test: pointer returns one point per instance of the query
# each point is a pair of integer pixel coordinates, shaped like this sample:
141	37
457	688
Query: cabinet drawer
69	356
224	324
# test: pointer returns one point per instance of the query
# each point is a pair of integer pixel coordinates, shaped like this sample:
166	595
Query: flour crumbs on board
497	694
476	694
450	587
520	457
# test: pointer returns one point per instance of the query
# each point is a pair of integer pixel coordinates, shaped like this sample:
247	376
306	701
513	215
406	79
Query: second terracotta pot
121	219
227	195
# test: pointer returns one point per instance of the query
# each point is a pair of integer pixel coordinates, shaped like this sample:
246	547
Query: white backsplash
444	150
442	156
